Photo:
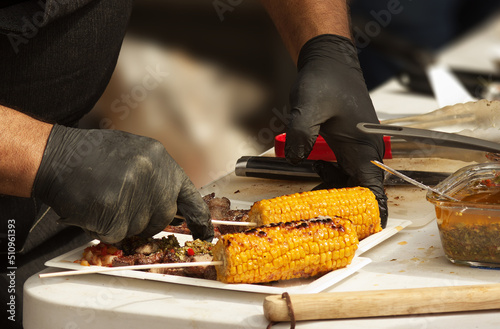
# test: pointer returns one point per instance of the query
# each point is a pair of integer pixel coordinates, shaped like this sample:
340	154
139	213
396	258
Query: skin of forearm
297	21
22	144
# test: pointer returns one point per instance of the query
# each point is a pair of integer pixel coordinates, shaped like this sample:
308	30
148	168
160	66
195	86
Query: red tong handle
321	150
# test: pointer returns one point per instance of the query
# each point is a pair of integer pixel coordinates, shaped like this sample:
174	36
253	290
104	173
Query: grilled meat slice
180	228
237	216
208	197
219	207
206	272
220	210
145	246
170	256
139	259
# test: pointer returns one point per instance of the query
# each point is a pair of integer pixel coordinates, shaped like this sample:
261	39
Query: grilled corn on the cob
357	204
282	251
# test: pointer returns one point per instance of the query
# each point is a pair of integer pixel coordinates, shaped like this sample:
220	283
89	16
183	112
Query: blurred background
210	79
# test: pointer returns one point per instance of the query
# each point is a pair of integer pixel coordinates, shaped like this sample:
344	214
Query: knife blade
279	168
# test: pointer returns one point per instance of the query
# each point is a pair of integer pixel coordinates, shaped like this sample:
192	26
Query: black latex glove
330	98
114	184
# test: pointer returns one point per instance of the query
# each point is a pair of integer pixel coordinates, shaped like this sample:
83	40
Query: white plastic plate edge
297	286
393	226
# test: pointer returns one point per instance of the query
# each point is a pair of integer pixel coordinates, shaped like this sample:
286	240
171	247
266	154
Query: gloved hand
329	98
114	184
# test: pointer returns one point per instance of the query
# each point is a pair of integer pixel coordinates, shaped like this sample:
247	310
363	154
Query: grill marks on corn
358	204
282	251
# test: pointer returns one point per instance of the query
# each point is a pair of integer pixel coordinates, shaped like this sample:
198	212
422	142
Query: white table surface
410	259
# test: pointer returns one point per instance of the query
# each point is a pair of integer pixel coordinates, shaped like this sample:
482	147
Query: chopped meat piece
147	249
195	272
227	229
210	273
220	210
202	258
198	271
139	259
208	197
124	261
219	207
237	216
192	251
155	258
169	271
182	228
137	245
169	257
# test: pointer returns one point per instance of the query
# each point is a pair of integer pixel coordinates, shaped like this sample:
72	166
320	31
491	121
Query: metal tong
431	137
481	114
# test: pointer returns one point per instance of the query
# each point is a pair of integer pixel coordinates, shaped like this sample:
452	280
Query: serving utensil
457	107
481	114
437	138
411	180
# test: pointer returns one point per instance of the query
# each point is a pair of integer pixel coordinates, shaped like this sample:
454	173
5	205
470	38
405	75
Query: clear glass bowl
470	228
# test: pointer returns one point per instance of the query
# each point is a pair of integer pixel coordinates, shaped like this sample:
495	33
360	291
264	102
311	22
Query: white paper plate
393	226
296	286
311	285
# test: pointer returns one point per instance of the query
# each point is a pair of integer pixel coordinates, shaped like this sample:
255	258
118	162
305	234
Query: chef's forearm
22	143
300	20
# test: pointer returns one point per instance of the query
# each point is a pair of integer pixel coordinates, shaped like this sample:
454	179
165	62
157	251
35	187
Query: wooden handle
358	304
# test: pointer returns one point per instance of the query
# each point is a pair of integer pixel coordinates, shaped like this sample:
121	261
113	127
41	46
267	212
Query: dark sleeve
20	16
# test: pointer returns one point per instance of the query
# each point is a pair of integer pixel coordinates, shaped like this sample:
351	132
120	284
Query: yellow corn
282	251
357	204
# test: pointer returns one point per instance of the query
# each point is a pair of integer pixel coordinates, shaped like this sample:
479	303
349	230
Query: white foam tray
296	286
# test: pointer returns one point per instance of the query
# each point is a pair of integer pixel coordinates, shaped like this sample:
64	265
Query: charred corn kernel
311	249
358	204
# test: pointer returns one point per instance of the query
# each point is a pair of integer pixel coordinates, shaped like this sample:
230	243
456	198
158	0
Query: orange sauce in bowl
470	229
489	197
